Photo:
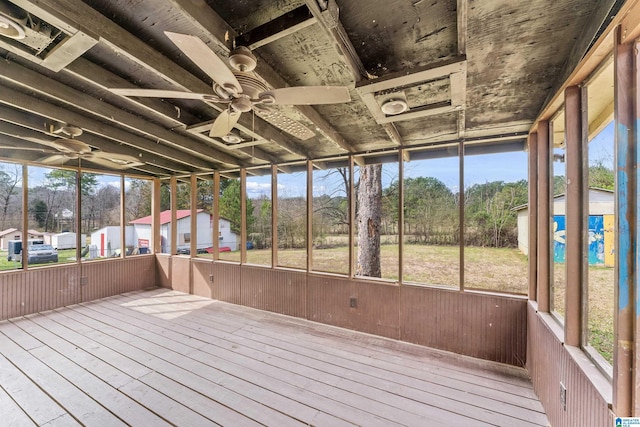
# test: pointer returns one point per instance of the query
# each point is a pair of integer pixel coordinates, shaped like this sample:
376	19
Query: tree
230	206
39	211
369	220
8	189
430	210
138	199
601	176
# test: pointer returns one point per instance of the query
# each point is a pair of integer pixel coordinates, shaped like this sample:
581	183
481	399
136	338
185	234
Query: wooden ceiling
477	71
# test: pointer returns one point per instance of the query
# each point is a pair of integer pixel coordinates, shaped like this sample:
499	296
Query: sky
479	169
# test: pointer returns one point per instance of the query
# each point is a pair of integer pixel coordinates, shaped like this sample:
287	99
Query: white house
141	231
15	234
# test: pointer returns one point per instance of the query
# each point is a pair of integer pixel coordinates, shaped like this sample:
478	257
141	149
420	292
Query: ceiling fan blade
112	160
309	95
13	147
158	93
55	159
224	123
205	59
71	146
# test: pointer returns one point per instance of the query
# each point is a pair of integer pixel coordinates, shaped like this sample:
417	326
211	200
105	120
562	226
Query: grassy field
491	269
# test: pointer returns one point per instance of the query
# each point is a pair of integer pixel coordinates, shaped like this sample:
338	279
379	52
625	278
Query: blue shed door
596	239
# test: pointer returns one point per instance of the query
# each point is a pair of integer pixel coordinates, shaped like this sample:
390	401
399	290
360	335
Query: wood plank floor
162	357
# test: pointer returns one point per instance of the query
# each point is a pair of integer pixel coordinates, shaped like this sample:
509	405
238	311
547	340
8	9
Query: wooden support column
78	213
461	212
309	215
216	217
156	239
545	196
635	236
400	215
243	216
193	246
352	217
575	216
123	234
533	216
173	184
274	216
25	214
625	144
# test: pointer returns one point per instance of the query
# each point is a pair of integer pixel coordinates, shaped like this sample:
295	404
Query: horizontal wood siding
38	289
226	282
41	289
478	325
376	304
181	274
163	270
200	272
549	364
278	291
102	279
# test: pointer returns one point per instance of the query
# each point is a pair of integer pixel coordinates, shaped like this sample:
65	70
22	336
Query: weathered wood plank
504	403
161	356
74	401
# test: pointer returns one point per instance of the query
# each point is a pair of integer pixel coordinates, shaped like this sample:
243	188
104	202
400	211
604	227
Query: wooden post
156	239
25	215
215	243
625	142
123	234
461	220
575	217
193	246
352	217
545	196
309	216
533	216
400	215
173	248
274	216
243	216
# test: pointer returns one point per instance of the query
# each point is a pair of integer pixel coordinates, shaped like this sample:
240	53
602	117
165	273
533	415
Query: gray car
39	254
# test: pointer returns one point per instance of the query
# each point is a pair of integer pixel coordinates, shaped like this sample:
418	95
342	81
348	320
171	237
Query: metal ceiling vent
12	21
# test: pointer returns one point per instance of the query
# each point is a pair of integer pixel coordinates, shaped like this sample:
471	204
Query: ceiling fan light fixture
12	21
232	138
392	107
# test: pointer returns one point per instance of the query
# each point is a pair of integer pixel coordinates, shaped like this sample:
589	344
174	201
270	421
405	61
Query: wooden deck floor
162	357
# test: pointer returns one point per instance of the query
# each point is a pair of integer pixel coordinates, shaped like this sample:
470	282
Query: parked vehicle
40	254
14	248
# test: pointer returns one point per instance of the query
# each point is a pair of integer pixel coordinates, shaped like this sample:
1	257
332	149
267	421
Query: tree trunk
369	221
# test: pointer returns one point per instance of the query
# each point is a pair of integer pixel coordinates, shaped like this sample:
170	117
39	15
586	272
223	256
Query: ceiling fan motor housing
241	59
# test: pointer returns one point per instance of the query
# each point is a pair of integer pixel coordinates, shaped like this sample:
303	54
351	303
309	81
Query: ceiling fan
65	149
241	89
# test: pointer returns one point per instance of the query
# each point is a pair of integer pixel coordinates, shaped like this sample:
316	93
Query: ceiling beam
71	14
282	26
30	152
462	17
16	74
210	21
22	121
25	102
329	20
328	17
